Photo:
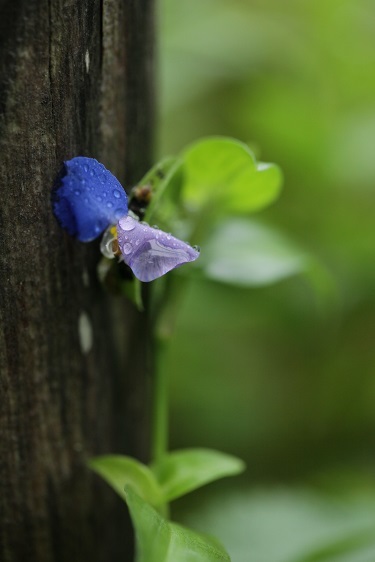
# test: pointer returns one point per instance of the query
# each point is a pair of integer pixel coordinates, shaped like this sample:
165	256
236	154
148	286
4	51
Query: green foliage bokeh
278	375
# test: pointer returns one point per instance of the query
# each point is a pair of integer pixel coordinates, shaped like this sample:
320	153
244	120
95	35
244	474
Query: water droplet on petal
119	213
137	242
85	168
109	204
197	248
99	198
127	248
77	192
127	223
83	182
155	227
116	193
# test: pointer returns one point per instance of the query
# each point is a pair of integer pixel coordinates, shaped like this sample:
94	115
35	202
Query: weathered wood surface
75	79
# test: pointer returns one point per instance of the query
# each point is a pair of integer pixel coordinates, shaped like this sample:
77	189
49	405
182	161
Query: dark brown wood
75	79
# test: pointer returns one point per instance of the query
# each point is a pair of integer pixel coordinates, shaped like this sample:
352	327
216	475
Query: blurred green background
283	375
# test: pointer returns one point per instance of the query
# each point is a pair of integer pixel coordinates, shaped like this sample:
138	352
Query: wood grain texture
75	79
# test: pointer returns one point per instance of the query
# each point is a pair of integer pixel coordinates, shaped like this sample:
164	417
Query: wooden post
75	79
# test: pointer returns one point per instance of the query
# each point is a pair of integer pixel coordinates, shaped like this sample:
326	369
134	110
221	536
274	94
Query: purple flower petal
149	252
88	198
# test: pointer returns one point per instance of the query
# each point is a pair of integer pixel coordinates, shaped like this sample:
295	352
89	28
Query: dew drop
99	198
127	223
103	178
168	236
109	204
116	193
119	213
197	248
86	200
91	172
127	248
83	182
155	227
77	192
85	168
137	242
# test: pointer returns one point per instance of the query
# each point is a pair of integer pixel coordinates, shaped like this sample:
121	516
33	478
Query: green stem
163	319
164	325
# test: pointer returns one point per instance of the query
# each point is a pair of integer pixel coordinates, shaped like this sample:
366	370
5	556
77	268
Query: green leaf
222	173
183	471
161	541
247	253
251	192
119	471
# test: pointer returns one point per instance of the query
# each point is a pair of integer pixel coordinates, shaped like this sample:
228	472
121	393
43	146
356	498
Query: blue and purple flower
89	200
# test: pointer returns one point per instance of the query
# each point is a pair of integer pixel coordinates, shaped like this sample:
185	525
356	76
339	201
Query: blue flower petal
150	252
88	198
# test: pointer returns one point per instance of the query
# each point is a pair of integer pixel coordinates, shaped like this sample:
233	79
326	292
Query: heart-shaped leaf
222	173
